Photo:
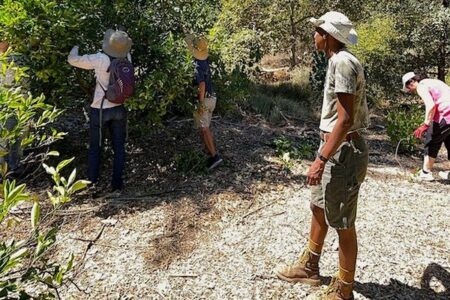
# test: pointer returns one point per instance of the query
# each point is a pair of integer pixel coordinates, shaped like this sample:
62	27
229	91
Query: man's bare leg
348	251
208	140
318	231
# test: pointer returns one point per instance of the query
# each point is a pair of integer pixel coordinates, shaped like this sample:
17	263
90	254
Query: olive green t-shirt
344	75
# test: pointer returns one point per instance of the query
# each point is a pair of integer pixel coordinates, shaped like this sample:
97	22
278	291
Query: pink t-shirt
440	93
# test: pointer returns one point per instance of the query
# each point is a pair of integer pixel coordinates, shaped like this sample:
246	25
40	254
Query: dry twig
257	209
183	275
88	247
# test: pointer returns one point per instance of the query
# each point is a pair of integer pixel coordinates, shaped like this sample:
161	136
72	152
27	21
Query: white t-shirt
344	75
436	93
99	62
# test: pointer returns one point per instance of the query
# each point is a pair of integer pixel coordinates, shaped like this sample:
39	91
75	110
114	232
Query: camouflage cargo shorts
341	181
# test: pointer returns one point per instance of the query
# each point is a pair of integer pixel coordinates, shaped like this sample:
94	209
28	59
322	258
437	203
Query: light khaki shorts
341	180
203	119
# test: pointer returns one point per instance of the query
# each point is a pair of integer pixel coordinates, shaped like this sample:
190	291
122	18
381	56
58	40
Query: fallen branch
262	277
75	212
257	209
277	214
77	287
284	117
89	246
183	275
140	197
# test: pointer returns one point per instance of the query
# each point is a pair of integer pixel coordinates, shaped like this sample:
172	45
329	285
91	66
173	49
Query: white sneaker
425	176
445	175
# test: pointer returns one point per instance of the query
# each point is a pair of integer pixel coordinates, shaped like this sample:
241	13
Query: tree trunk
442	63
293	35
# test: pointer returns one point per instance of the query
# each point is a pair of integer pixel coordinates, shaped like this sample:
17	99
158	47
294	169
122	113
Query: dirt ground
220	235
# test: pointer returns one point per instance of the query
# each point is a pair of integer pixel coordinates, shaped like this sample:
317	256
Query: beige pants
203	115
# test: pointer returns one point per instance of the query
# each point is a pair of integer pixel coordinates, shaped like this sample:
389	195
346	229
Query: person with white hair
436	126
337	173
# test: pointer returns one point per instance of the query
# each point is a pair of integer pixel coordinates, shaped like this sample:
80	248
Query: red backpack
121	81
120	86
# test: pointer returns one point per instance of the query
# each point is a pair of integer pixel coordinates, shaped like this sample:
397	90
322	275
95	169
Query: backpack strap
101	105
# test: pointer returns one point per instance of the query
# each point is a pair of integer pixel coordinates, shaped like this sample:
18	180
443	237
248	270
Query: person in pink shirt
436	127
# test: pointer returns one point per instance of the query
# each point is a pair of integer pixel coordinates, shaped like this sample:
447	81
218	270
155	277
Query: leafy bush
24	264
32	117
287	150
191	161
318	71
44	32
271	103
401	122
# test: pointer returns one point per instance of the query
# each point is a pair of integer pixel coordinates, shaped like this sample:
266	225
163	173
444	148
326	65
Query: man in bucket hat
198	47
116	44
341	164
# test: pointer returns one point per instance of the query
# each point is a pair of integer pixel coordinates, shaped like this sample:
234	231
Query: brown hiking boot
337	290
305	270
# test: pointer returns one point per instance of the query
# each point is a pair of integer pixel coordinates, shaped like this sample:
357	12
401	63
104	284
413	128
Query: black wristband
323	158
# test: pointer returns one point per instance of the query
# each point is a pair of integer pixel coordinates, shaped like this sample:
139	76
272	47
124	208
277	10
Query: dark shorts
437	134
341	181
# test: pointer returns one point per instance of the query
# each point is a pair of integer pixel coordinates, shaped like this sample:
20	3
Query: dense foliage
45	31
395	37
24	263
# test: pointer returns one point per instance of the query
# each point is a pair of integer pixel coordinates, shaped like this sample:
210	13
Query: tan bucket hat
116	43
338	26
198	46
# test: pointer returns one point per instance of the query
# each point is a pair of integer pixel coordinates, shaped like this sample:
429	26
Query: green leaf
53	153
18	254
64	163
60	190
79	185
49	170
72	177
70	262
35	214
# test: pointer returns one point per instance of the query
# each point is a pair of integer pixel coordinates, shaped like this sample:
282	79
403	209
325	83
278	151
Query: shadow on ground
396	290
249	169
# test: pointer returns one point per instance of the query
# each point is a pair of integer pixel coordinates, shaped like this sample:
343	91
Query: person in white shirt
103	113
436	126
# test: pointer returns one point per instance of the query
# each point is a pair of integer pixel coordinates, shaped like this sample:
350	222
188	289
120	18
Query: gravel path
223	238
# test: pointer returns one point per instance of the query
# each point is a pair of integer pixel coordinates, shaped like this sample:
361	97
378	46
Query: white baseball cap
405	78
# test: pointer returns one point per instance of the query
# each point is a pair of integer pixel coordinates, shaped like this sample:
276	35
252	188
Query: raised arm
87	62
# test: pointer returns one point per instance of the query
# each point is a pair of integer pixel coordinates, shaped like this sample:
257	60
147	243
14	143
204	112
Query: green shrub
401	122
287	150
261	103
318	71
231	87
32	117
191	161
275	108
44	31
24	264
